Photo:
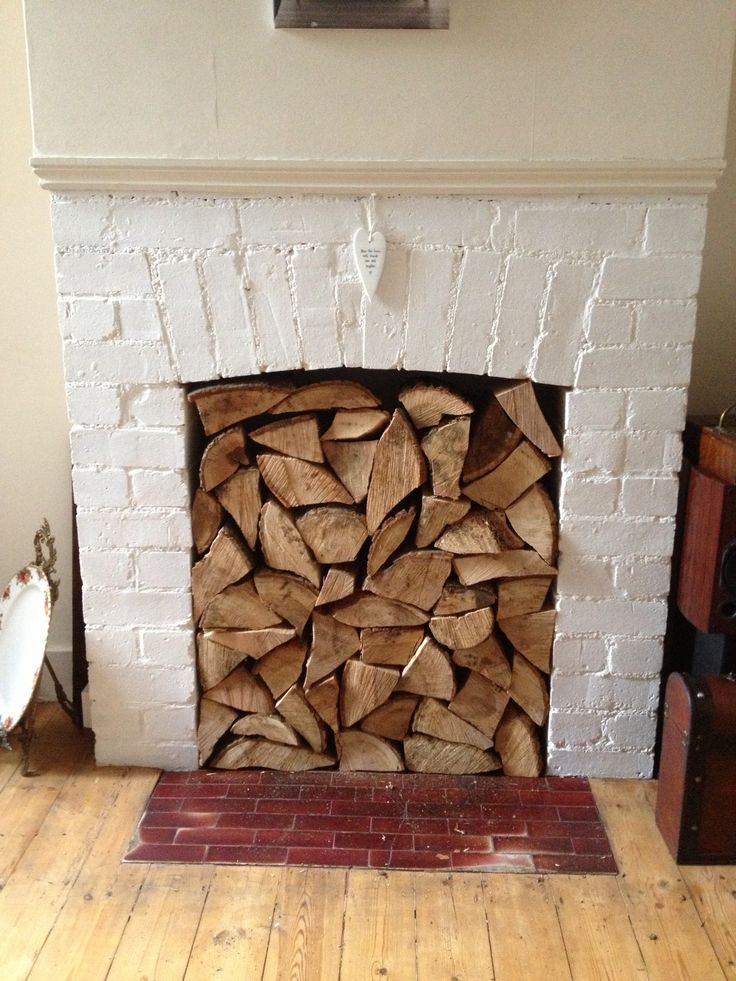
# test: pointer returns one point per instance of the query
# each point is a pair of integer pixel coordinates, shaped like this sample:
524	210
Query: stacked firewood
372	587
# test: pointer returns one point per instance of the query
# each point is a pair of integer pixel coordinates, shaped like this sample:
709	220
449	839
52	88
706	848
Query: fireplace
593	295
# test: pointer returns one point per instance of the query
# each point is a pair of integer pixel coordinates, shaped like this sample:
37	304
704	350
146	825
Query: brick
563	324
110	568
666	323
675	229
114	363
168	648
595	763
119	607
574	728
597	410
659	409
275	330
579	654
228	306
634	367
519	316
431	277
314	271
610	325
110	646
474	311
446	221
160	488
81	219
176	224
650	278
93	405
642	578
177	723
106	488
383	339
87	319
139	320
164	570
631	731
164	449
616	536
653	451
593	228
90	447
585	577
631	656
163	405
133	529
651	496
163	756
503	229
604	692
103	273
300	220
612	616
190	335
349	322
599	451
589	496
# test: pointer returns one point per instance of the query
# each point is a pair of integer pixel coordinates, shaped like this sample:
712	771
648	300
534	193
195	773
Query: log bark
424	754
388	537
296	436
225	563
206	519
445	448
284	548
432	718
519	562
282	666
493	436
392	719
416	578
220	406
271	727
478	532
357	423
363	751
463	630
436	514
333	533
520	403
292	597
427	404
390	645
352	462
429	672
327	395
502	486
518	745
462	599
240	495
296	483
363	688
263	754
221	458
398	468
368	610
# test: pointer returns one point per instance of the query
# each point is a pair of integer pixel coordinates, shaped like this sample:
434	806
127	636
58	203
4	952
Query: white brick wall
596	296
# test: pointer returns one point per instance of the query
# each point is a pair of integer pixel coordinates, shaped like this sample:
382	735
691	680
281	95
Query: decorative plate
25	611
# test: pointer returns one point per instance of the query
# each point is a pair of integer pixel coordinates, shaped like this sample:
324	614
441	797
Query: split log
533	635
241	690
226	562
297	436
389	536
520	403
220	406
271	727
493	436
461	599
290	596
214	662
252	643
214	721
524	562
517	744
488	659
427	404
519	596
533	517
529	690
356	423
262	754
392	719
221	458
368	610
398	469
352	462
481	703
327	395
332	644
363	688
424	754
239	607
502	486
333	533
390	645
284	548
445	448
299	713
282	666
436	514
478	532
296	483
364	751
464	630
206	519
416	578
337	584
433	719
240	495
323	698
429	672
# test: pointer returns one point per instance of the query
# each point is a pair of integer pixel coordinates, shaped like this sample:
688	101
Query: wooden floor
70	909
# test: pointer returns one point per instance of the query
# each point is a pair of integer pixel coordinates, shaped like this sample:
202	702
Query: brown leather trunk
696	800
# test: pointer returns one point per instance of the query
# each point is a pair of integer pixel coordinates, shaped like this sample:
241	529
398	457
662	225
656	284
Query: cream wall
34	448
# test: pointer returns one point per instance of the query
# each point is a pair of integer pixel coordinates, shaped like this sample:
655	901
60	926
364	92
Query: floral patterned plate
25	610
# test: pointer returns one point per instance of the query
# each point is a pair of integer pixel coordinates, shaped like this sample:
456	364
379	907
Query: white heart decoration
369	253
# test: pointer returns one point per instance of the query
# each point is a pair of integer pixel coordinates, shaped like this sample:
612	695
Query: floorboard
70	909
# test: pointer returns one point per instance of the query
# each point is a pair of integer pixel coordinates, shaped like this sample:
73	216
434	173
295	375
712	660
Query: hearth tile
294	837
493	862
177	776
255	820
591	846
400	859
335	793
576	864
557	798
264	792
202	790
369	808
178	819
167	853
564	783
487	826
246	855
330	857
439	809
165	804
508	811
444	843
156	836
373	839
493	797
215	836
388	825
554	846
578	813
330	822
217	805
278	806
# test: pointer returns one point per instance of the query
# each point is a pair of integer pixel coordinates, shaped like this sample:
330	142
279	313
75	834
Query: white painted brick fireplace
592	294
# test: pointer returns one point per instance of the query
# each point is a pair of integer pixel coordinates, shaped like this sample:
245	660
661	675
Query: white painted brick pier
593	295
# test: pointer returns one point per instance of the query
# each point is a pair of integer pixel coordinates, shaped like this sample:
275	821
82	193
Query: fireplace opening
375	566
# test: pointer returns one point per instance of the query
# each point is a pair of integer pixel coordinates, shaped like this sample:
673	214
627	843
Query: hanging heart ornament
370	252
